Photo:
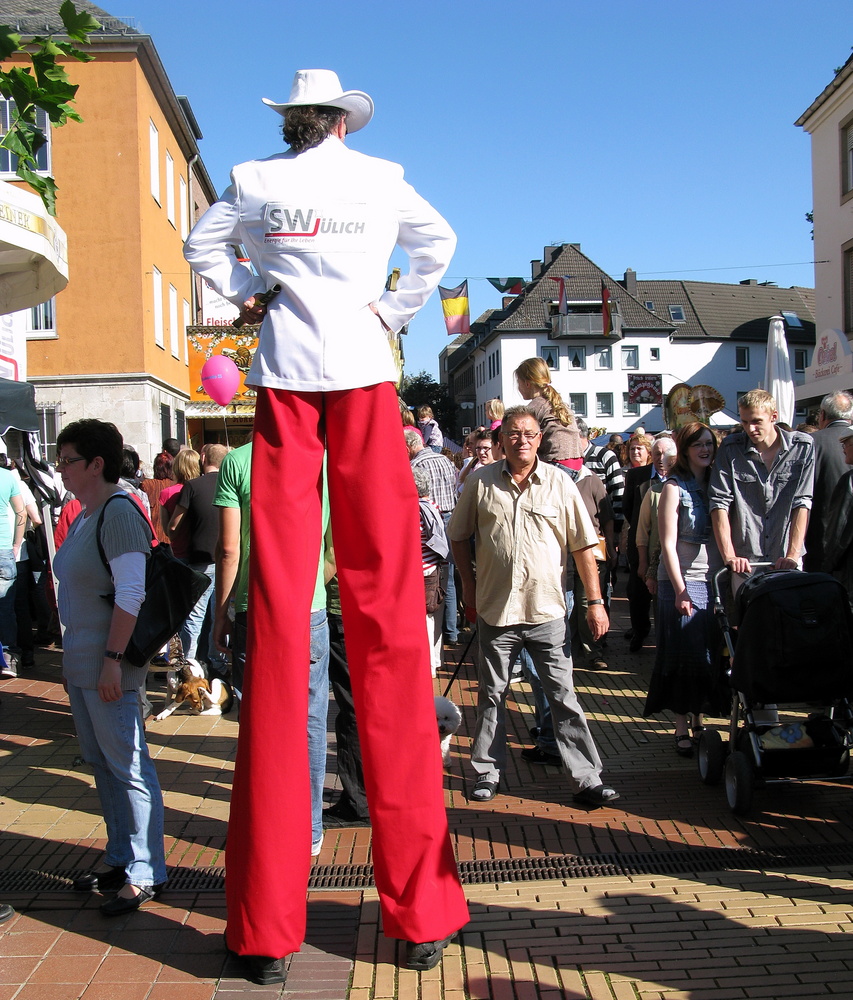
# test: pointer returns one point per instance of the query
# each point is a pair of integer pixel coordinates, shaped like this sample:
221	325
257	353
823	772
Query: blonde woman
560	442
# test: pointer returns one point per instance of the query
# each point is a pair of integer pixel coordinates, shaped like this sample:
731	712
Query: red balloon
220	378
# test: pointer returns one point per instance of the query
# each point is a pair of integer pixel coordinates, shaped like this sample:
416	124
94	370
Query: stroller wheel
710	757
739	782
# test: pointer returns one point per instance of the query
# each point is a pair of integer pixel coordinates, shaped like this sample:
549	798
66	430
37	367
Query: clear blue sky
658	135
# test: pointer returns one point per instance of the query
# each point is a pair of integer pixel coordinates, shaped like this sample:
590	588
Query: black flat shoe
426	955
683	744
259	969
127	904
109	881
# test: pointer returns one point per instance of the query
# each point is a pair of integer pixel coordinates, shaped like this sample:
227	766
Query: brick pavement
774	933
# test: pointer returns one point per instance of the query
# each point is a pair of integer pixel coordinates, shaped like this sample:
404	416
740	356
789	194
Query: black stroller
793	644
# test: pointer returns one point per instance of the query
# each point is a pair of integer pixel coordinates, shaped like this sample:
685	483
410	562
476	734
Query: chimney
549	253
749	281
507	301
535	269
629	281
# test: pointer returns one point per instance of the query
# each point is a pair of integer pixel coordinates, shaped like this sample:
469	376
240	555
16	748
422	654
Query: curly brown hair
307	126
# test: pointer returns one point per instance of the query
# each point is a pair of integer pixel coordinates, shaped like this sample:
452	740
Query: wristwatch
112	654
597	600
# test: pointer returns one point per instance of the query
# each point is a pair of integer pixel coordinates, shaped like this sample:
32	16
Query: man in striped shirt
442	479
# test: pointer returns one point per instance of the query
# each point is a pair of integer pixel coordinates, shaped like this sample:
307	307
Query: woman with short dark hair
98	607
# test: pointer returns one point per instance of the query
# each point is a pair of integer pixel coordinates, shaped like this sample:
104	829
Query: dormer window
676	314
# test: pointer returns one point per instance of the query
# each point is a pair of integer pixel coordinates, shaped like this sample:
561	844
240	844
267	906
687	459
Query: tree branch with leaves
43	86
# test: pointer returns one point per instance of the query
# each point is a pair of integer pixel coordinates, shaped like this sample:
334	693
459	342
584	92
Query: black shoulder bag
172	590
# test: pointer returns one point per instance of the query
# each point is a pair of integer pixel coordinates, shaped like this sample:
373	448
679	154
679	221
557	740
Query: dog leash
461	661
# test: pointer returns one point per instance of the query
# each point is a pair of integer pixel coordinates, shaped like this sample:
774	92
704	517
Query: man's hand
786	562
469	601
739	565
222	631
252	312
375	312
652	586
596	618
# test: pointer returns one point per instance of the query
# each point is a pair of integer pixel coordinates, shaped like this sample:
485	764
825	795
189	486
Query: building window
577	402
847	158
181	426
165	422
170	188
8	161
742	359
184	330
801	360
630	358
676	314
183	208
154	159
41	321
848	290
604	359
649	305
49	424
604	404
577	357
629	409
174	329
157	291
551	357
654	353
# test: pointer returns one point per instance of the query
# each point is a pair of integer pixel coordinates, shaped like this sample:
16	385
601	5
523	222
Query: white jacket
322	224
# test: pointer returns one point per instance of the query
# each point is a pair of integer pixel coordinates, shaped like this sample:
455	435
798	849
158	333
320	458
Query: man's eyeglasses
518	435
62	463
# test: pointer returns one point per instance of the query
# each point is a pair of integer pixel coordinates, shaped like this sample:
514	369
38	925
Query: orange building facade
113	344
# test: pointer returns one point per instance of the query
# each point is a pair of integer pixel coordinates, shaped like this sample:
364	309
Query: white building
682	331
829	121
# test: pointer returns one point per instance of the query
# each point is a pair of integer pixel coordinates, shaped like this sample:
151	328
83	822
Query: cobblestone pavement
667	896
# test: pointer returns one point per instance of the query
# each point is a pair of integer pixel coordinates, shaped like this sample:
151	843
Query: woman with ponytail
560	443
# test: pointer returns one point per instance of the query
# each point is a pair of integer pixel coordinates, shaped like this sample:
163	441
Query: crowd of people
521	537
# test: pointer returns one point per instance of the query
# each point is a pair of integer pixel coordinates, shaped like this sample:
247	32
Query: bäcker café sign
831	369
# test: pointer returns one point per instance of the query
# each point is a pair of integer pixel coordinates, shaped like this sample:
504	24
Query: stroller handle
723	573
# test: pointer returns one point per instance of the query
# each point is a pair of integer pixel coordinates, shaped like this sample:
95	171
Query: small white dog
449	719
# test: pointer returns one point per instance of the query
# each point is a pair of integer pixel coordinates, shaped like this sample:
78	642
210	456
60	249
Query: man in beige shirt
528	519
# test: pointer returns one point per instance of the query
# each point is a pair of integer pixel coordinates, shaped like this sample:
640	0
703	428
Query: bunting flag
563	307
454	305
606	312
509	286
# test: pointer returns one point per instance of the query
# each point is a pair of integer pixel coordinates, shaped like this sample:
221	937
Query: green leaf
78	23
9	41
45	187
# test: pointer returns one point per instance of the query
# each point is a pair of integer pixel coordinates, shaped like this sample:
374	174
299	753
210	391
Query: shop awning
33	251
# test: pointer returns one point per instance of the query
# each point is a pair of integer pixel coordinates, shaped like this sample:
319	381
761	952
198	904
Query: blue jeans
112	740
190	632
451	613
318	711
8	621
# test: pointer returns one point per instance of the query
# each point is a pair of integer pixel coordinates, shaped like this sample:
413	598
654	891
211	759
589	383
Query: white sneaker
317	846
9	666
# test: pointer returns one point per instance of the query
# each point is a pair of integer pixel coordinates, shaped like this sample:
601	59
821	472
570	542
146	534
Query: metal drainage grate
354	877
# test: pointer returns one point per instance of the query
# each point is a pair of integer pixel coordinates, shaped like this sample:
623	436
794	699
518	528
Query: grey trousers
549	646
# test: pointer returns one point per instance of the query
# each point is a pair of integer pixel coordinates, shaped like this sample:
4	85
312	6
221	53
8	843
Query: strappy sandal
484	790
683	744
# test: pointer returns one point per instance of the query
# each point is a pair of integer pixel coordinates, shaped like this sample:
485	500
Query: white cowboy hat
322	87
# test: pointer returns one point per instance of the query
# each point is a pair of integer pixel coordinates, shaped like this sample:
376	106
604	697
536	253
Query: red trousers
374	517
